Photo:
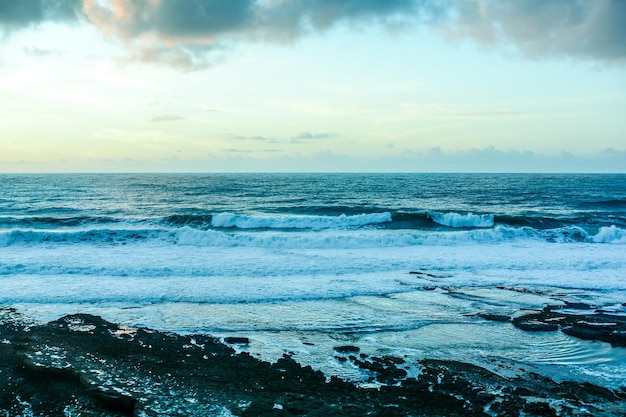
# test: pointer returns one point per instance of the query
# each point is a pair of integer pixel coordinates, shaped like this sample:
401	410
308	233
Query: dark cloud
166	118
183	32
189	33
19	13
582	29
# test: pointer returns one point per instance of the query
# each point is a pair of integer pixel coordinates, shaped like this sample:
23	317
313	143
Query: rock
495	317
83	365
605	334
592	325
531	323
236	340
347	349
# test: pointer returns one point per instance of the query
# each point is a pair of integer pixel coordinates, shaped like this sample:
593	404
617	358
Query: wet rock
495	317
590	332
534	324
236	340
83	365
586	323
347	349
115	401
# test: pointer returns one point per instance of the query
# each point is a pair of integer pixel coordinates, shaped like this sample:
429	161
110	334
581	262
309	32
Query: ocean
398	264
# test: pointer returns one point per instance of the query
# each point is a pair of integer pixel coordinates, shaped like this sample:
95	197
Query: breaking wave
231	220
395	238
462	220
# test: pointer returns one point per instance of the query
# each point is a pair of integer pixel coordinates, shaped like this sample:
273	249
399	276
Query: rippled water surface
303	263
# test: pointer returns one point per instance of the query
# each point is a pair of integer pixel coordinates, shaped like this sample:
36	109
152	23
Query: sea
396	264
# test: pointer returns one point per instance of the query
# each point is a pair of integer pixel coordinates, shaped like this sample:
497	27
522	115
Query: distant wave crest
462	220
231	220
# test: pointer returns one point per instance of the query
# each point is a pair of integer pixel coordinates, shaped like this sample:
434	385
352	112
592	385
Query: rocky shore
82	365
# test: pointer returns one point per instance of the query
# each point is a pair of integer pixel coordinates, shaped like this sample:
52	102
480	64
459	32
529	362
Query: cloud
184	33
300	138
581	29
488	159
166	118
236	150
19	13
255	138
308	136
192	34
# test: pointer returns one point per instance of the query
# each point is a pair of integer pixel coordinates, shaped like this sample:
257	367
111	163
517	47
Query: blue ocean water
298	262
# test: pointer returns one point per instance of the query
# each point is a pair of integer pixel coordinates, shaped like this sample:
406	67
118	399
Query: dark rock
495	317
347	349
578	306
83	365
614	337
115	401
591	326
236	340
531	323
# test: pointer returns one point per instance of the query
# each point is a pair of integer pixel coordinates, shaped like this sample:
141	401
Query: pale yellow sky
367	88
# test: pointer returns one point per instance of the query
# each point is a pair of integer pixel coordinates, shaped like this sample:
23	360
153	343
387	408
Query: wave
611	234
106	236
47	222
196	220
542	221
354	239
317	219
323	239
462	220
231	220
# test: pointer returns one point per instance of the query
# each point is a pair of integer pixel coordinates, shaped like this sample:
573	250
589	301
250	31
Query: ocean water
300	263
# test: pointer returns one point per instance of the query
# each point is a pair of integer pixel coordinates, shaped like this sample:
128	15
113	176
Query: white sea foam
297	222
610	234
329	238
462	220
346	239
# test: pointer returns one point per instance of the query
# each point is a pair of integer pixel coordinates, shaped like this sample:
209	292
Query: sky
312	85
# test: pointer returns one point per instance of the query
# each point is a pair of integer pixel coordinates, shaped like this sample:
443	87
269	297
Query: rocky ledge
81	365
580	320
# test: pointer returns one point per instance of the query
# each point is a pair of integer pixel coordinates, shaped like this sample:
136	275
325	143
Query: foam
329	238
345	239
231	220
611	234
462	220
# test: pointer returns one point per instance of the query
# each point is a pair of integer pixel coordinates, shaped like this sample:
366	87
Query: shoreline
83	365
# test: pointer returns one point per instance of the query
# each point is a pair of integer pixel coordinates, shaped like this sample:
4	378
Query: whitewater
398	264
